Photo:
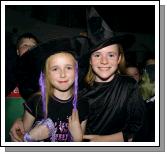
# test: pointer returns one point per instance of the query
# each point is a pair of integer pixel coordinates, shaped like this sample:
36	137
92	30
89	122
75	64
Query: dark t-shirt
115	106
58	111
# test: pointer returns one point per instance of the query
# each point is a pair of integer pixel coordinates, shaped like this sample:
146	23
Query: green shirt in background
13	110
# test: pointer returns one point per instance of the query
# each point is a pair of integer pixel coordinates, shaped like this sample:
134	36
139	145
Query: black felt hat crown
100	35
33	61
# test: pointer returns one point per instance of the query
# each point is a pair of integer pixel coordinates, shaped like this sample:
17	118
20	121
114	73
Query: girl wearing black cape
117	110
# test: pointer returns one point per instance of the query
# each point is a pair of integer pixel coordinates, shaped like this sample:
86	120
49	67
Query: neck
62	95
97	79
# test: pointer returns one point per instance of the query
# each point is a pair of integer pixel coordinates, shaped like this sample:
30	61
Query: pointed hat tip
100	34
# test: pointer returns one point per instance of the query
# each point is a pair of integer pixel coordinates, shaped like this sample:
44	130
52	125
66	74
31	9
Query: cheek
93	62
52	75
22	51
72	75
116	61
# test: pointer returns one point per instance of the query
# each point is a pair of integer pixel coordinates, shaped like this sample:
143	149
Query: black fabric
115	106
150	106
10	65
58	111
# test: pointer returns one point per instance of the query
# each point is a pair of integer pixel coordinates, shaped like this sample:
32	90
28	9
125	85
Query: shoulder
83	91
126	79
34	97
82	101
34	105
34	100
83	109
126	83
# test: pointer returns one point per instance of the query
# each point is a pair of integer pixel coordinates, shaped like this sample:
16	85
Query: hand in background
17	131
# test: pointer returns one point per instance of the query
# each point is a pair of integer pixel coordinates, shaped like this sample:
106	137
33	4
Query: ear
90	62
18	52
119	59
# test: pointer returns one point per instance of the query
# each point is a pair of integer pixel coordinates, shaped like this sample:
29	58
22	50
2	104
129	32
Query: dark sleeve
83	110
10	68
136	113
33	105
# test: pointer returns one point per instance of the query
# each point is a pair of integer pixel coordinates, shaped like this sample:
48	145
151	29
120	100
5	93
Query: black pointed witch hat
100	35
32	62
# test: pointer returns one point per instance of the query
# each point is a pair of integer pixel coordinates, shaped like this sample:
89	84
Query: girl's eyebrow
58	65
113	52
54	66
69	65
98	52
95	53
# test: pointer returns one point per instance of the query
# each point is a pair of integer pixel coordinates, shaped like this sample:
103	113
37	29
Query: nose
62	74
104	60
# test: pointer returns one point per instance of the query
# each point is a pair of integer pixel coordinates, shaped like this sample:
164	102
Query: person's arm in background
17	130
20	126
28	121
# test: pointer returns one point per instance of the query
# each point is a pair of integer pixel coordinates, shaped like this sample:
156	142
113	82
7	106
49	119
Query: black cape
115	106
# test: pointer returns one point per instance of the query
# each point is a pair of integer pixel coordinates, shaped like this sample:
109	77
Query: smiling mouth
63	81
104	68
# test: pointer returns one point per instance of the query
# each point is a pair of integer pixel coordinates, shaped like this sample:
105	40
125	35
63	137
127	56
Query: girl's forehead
62	58
110	48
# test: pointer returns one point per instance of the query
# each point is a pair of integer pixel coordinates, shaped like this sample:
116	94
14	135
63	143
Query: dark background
54	21
131	18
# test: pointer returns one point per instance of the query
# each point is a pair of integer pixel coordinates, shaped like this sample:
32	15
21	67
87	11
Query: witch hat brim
100	34
33	61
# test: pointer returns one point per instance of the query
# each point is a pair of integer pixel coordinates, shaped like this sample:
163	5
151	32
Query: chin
106	78
65	88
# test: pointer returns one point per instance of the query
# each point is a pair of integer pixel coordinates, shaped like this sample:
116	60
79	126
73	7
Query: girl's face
61	71
105	63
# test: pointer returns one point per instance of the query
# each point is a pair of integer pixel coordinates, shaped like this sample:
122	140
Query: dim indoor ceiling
122	18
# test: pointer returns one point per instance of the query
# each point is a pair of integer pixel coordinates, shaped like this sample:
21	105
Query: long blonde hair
90	77
48	86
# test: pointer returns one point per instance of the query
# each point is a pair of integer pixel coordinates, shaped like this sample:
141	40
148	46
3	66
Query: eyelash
55	69
110	55
69	68
96	55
